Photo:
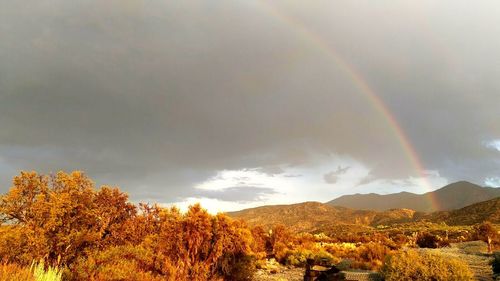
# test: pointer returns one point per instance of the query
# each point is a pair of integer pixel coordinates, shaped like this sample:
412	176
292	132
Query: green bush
424	266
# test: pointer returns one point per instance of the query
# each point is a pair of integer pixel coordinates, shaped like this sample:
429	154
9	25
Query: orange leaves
19	203
62	215
198	244
98	235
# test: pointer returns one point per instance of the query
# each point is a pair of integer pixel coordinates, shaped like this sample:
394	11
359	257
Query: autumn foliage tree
97	234
60	216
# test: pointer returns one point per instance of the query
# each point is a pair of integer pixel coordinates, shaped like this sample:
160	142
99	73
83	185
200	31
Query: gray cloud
157	96
333	176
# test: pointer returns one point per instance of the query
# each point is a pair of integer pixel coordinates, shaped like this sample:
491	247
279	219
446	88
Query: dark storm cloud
157	96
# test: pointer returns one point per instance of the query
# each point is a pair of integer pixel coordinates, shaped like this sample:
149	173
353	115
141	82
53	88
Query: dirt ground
286	274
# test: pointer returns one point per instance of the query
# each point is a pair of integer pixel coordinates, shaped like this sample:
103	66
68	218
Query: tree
98	235
61	216
487	233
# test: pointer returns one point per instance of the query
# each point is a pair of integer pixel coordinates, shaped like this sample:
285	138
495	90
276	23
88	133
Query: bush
425	266
487	233
115	263
36	272
45	274
240	267
428	240
97	234
9	272
299	257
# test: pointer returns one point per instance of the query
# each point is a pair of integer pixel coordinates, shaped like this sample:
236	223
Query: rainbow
364	88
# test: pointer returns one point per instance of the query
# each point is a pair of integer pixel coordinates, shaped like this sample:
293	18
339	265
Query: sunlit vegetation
96	234
61	227
35	272
426	266
11	271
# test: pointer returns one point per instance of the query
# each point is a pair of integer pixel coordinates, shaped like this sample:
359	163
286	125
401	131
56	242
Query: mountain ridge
315	216
450	197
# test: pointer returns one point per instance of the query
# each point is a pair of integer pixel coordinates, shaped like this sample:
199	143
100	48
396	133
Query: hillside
453	196
315	216
310	216
476	213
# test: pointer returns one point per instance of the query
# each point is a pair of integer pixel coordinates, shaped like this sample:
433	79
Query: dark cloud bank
156	96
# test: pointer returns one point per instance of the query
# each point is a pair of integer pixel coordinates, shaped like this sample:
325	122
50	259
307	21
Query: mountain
469	215
311	216
317	217
453	196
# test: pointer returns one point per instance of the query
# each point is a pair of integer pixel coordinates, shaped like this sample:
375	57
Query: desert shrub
400	240
359	256
14	247
299	257
373	251
12	271
61	216
198	246
239	268
429	240
35	272
98	235
371	255
43	273
487	233
191	246
414	265
114	263
261	240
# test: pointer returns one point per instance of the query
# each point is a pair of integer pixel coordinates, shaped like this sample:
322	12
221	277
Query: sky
243	103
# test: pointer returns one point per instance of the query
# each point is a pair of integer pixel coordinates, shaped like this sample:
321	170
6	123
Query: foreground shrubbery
36	272
429	240
425	266
295	250
98	235
9	272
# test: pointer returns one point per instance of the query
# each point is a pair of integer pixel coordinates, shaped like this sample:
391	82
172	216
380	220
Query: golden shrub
11	271
426	266
98	235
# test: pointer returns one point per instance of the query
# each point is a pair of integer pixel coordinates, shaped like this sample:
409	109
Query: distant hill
311	216
454	196
475	213
316	217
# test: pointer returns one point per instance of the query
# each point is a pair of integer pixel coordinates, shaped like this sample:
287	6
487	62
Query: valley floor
286	274
474	253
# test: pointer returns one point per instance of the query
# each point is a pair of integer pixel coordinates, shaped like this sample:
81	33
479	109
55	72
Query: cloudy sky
240	103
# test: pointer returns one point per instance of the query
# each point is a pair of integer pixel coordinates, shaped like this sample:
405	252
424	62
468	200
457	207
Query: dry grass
475	254
9	272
